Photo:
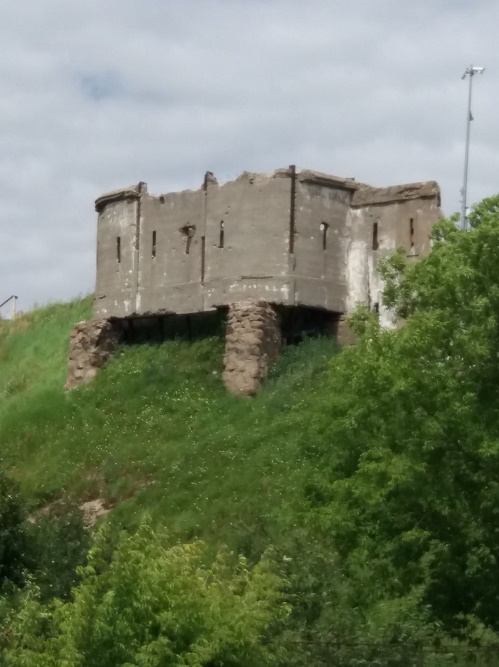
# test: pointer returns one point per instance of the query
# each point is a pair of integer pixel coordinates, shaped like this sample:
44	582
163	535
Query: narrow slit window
153	252
221	239
376	307
118	249
411	232
375	236
324	230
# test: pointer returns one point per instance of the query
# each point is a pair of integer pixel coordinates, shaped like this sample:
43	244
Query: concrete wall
404	217
182	263
322	208
117	261
292	239
254	263
170	261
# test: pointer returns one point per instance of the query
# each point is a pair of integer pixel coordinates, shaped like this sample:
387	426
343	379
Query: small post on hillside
14	301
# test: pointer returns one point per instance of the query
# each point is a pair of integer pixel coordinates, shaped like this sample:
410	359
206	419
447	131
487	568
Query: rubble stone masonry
91	345
253	343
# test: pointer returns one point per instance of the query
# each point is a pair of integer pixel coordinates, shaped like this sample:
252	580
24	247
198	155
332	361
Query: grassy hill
369	474
157	431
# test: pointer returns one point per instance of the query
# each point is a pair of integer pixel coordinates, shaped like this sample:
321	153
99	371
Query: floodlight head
471	71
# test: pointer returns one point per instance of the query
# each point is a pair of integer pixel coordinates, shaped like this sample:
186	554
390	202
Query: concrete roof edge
320	178
362	194
367	195
130	192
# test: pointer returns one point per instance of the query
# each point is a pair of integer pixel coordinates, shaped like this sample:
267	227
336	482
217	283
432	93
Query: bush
58	543
13	540
154	604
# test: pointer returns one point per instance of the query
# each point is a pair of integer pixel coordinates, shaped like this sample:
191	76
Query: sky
99	94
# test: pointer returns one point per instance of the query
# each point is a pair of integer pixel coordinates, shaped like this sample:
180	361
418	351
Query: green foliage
373	472
33	350
13	542
58	543
412	484
47	547
152	605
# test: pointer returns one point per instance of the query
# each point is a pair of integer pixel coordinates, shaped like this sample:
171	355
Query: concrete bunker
280	256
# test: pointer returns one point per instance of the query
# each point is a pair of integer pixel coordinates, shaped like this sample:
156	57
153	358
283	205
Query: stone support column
253	343
92	344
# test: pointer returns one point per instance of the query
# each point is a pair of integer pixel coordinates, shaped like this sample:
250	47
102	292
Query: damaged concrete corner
91	345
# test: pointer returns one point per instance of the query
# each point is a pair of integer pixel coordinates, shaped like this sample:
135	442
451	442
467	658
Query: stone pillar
91	345
253	342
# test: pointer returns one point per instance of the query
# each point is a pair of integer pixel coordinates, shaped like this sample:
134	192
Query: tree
412	455
153	605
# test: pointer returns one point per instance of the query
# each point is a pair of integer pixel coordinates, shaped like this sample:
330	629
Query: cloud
99	94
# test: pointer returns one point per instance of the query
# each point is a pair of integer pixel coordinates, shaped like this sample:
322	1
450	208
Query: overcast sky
98	94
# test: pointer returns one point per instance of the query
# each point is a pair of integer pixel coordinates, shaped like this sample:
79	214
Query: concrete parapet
253	343
91	345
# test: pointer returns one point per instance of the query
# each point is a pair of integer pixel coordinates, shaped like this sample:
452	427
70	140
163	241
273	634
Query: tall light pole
470	73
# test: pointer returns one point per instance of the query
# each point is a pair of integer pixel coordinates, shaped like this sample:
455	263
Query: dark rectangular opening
118	249
324	230
160	328
375	236
221	239
301	322
411	232
154	244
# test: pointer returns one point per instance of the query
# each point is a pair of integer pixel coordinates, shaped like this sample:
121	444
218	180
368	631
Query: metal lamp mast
470	72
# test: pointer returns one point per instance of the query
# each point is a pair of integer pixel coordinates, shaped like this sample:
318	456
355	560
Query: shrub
13	540
153	604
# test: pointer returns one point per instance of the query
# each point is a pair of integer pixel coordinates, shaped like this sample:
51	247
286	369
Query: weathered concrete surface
320	241
253	343
91	345
288	238
170	253
117	252
365	195
251	260
403	217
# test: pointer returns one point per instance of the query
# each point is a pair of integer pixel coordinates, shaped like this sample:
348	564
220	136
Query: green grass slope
157	431
371	474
